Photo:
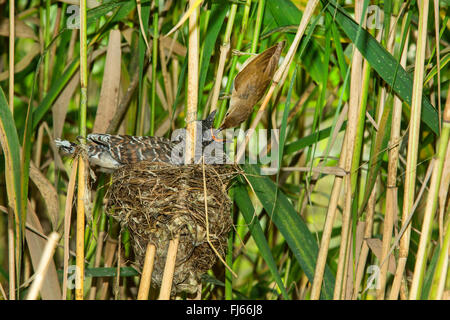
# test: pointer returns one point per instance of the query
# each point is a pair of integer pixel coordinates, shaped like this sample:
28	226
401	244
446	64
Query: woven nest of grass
157	201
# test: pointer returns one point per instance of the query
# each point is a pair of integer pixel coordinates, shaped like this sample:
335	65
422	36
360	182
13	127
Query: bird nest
157	201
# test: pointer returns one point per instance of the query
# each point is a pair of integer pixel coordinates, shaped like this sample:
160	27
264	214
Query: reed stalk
352	126
166	77
80	228
67	220
192	90
229	273
234	60
430	210
328	227
154	66
110	250
438	59
12	39
11	225
258	23
191	133
441	271
169	268
392	189
47	29
356	163
364	252
224	49
146	276
82	178
413	145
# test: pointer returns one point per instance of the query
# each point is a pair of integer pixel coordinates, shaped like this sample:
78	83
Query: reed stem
351	131
11	224
12	38
224	49
259	19
430	211
81	198
147	270
191	133
328	228
234	60
169	269
392	189
192	94
413	145
154	65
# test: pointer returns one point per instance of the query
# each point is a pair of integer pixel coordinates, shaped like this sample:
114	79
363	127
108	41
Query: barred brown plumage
110	152
117	150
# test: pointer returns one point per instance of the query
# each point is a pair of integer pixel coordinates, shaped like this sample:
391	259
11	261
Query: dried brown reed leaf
50	289
59	109
141	24
164	127
166	76
48	193
110	250
128	35
109	94
172	45
359	239
124	102
41	270
24	62
22	30
376	245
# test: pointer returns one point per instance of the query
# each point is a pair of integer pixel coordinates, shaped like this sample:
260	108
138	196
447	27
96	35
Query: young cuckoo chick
109	152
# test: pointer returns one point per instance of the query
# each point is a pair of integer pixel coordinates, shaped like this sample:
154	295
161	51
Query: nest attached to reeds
157	201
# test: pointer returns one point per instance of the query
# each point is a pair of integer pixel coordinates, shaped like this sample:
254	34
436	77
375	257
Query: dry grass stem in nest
156	201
